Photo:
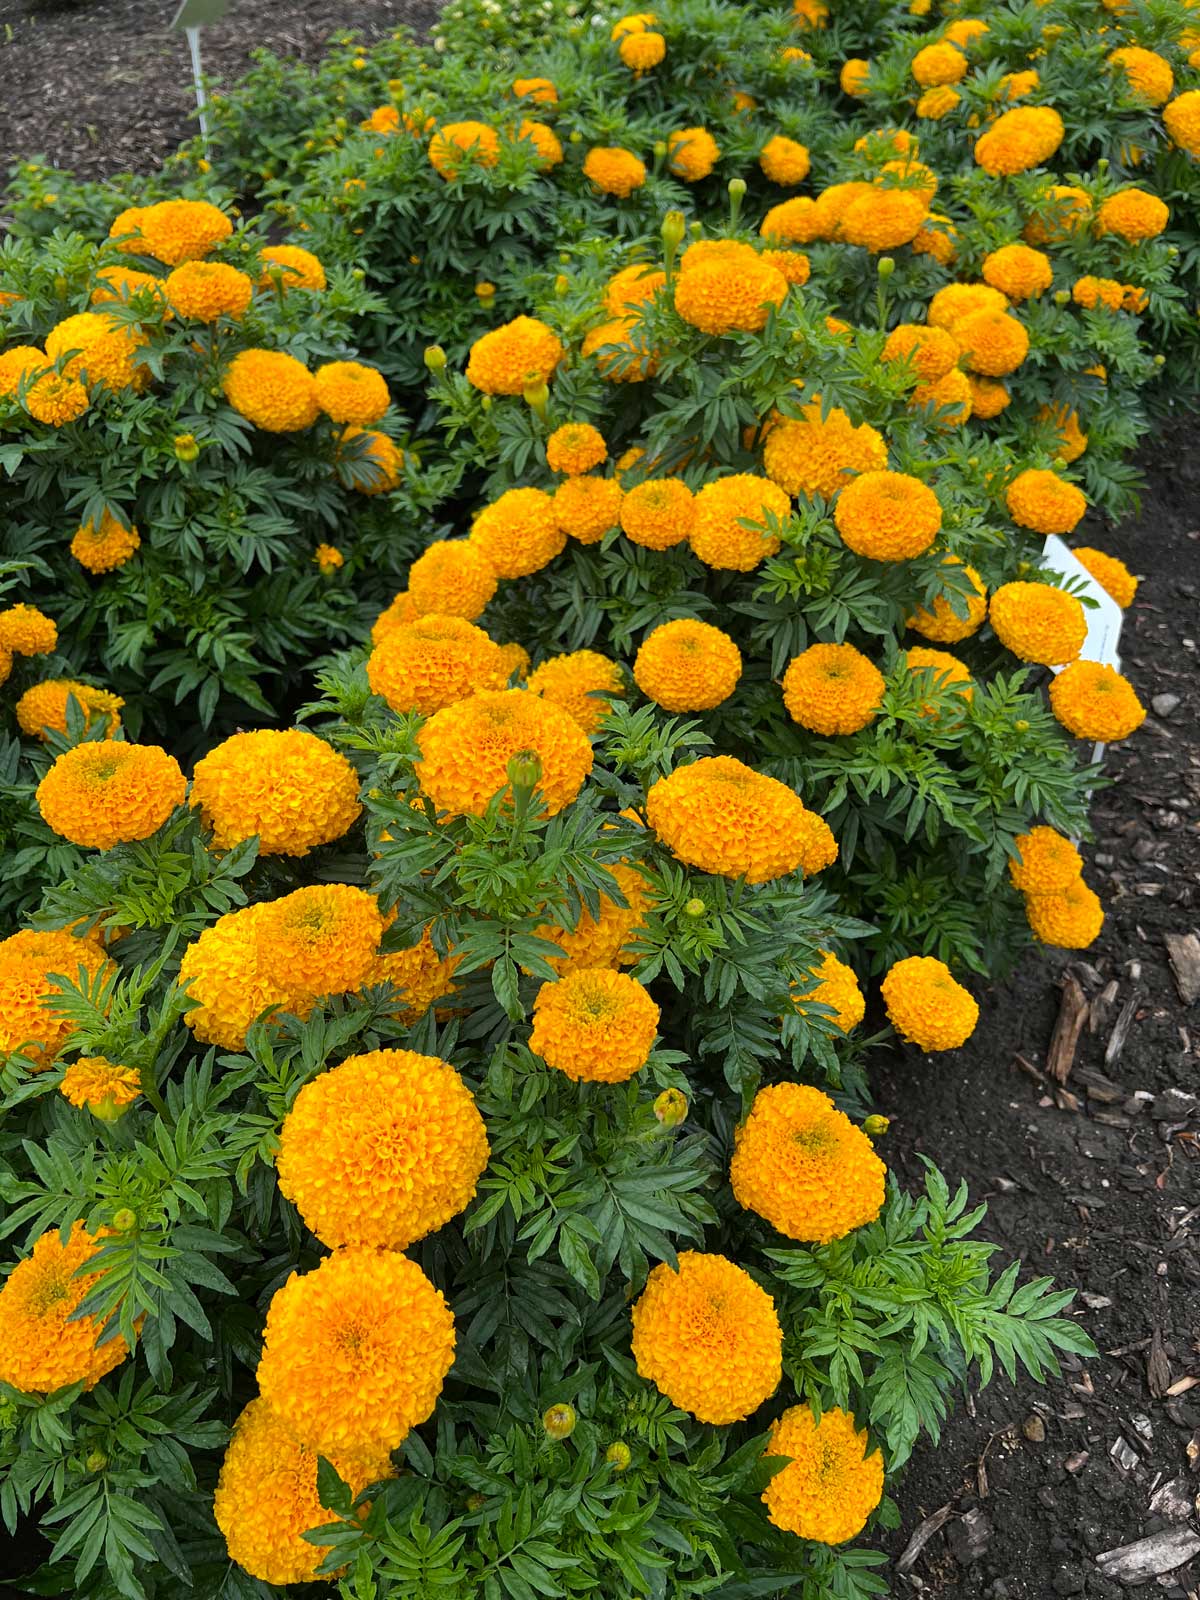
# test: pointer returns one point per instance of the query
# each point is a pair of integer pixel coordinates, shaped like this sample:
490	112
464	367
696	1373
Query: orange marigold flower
400	611
625	291
803	1166
175	231
730	294
816	455
378	1305
457	146
1113	576
936	242
809	14
375	465
101	795
221	971
466	749
658	513
1181	118
26	631
452	577
635	22
603	940
834	202
614	171
511	358
1072	439
519	533
1038	622
932	352
939	64
947	625
988	397
27	961
104	548
125	232
832	689
937	102
883	219
926	1005
1070	920
1041	500
1064	208
44	1345
105	350
56	400
1095	702
832	983
949	399
319	940
784	161
419	973
18	364
793	222
105	1087
433	662
965	31
1046	863
114	282
854	75
687	665
719	815
594	1025
888	516
718	536
620	353
993	343
1019	139
831	1484
795	266
44	706
349	392
575	448
1018	271
692	153
286	787
1091	292
641	51
582	683
949	678
708	1338
328	558
206	290
1131	214
290	267
272	390
540	90
587	507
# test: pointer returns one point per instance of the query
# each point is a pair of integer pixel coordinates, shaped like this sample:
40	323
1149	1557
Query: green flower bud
524	770
876	1127
559	1421
671	1107
435	358
618	1455
885	266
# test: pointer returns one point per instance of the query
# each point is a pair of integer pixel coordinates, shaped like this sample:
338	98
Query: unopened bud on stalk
485	290
537	397
435	358
186	448
660	149
674	226
97	1461
618	1455
561	285
124	1220
1021	725
694	907
671	1107
559	1421
737	188
524	770
875	1127
885	266
1062	297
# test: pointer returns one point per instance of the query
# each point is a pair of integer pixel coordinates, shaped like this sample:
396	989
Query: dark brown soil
105	86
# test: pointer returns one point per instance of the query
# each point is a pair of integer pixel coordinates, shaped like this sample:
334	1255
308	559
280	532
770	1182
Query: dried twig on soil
1183	952
1060	1057
1120	1033
1146	1558
921	1537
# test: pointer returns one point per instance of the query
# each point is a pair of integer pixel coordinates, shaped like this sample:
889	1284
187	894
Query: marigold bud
97	1461
1062	297
674	226
475	1502
660	149
435	358
875	1127
885	266
694	907
1021	725
485	290
537	397
186	448
559	1421
737	188
124	1220
671	1107
618	1456
524	770
561	284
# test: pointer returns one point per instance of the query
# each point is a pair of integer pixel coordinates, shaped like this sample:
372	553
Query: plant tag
198	13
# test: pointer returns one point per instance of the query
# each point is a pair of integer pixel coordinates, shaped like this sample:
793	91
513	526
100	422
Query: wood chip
1120	1033
1147	1558
1175	1501
1072	1015
921	1537
1182	1385
1183	952
1158	1368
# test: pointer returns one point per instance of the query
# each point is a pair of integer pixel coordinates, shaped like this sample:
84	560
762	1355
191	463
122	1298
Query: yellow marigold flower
796	267
625	291
384	119
105	1087
114	282
1070	920
401	611
594	1025
730	294
26	631
56	400
27	960
382	1150
692	153
1038	622
266	1498
319	940
6	663
883	219
994	343
832	983
965	31
932	352
575	448
1113	576
1181	118
1014	86
831	1484
1131	214
853	76
959	301
834	202
1019	139
272	390
603	941
419	973
1066	208
175	231
926	1005
100	795
378	467
539	90
803	1166
457	146
635	22
582	683
687	665
949	398
718	537
104	548
452	577
287	787
988	397
44	706
433	662
222	972
614	170
888	516
1046	863
1072	439
1091	292
938	102
796	221
938	64
519	533
948	676
1018	271
832	689
466	749
1095	702
618	357
816	456
1041	500
290	267
944	625
514	357
378	1305
328	558
349	392
587	507
658	513
810	13
722	817
708	1338
641	51
784	161
936	242
126	230
206	290
106	350
1148	75
44	1345
514	661
19	363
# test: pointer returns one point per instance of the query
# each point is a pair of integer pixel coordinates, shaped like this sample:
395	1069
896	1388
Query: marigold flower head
692	153
948	398
1181	118
56	400
1072	439
382	1150
1019	139
1046	864
635	22
205	290
620	355
319	940
937	102
604	940
988	397
457	146
272	390
831	1484
944	625
378	462
401	611
801	1164
27	960
44	706
419	973
1095	702
614	171
1038	622
708	1338
730	294
853	76
544	141
349	392
355	1353
832	689
44	1346
1041	500
932	352
513	357
719	815
926	1005
883	219
784	161
814	455
796	221
105	1087
104	547
452	577
1014	86
625	291
125	232
937	64
328	558
718	536
101	795
1131	214
575	448
965	31
1070	920
433	662
222	972
888	516
658	513
287	787
586	507
832	983
1065	208
266	1497
948	677
582	683
26	631
795	266
594	1024
290	266
1091	292
993	343
936	242
18	363
539	90
175	231
1113	576
834	202
105	350
466	748
641	51
810	13
1018	271
519	533
687	665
